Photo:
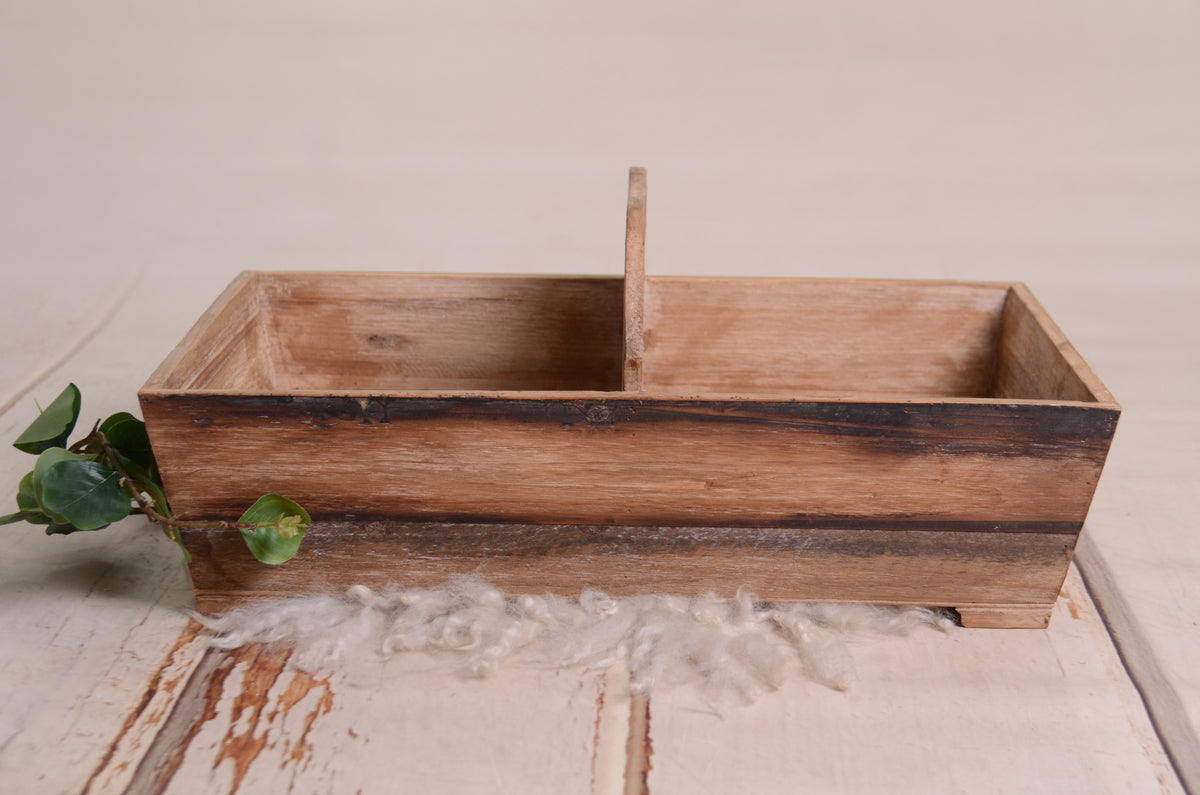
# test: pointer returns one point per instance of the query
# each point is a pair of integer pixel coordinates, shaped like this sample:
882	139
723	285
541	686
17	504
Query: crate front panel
599	460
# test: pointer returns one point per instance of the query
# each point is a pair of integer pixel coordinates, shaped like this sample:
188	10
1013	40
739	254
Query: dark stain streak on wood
730	533
936	428
533	541
597	723
387	341
891	566
639	748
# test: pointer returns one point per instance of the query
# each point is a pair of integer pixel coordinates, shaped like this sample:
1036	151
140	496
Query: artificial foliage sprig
111	473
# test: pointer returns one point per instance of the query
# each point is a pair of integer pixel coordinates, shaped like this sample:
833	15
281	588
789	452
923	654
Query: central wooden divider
635	283
899	442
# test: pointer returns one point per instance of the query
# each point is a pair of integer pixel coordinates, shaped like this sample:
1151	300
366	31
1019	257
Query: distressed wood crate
899	442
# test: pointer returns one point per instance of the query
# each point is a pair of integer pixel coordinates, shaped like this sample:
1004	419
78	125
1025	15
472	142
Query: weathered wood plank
399	332
601	460
1167	706
1036	360
251	723
1046	711
226	344
966	570
88	620
285	331
814	337
148	726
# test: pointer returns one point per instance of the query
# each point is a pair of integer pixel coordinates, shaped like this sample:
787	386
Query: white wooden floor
148	152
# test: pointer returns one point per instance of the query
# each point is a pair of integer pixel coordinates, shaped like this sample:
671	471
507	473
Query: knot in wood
599	414
373	410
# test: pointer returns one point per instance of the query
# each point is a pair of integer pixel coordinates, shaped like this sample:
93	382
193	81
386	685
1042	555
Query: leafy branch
111	472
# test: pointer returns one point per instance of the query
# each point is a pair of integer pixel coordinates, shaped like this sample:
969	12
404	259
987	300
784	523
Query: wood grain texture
975	711
251	722
1037	361
398	332
635	281
285	331
627	461
227	345
96	648
968	570
1006	616
1167	707
813	337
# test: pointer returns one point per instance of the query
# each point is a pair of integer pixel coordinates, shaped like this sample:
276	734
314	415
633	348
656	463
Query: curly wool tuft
736	645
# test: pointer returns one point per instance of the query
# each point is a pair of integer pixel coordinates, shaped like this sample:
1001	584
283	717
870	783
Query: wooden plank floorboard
104	668
248	721
88	623
979	711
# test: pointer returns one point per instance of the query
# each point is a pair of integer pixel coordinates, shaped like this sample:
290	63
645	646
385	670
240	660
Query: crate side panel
821	338
393	332
227	348
1035	360
633	461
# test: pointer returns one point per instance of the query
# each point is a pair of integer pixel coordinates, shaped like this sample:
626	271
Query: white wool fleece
736	645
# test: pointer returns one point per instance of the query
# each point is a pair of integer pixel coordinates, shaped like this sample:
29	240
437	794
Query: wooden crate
899	442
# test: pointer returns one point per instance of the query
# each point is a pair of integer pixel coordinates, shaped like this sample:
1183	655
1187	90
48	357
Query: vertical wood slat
635	280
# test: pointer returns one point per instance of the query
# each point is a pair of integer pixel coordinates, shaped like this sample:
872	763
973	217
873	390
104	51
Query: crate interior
852	339
403	332
282	332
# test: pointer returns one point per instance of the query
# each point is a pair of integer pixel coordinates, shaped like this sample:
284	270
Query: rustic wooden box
900	442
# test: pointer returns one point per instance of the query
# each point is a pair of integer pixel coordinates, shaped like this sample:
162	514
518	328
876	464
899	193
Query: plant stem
92	436
146	507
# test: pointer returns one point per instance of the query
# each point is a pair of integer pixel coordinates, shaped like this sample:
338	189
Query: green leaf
56	529
33	517
87	494
144	480
282	524
54	425
27	503
45	461
26	500
150	485
127	435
